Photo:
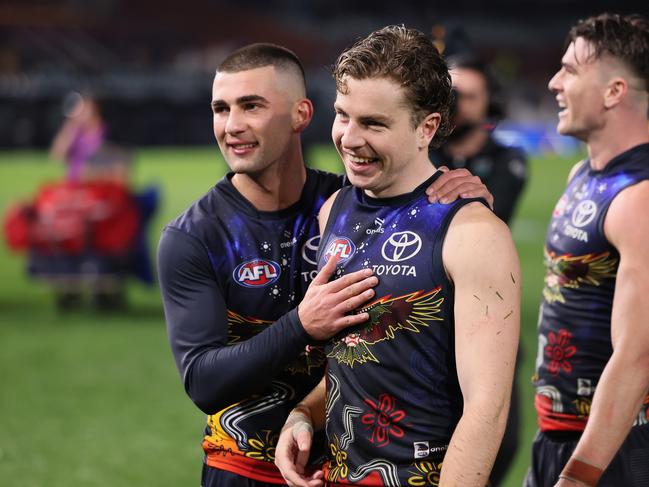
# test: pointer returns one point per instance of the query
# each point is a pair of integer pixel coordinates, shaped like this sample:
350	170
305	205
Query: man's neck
408	180
609	143
275	188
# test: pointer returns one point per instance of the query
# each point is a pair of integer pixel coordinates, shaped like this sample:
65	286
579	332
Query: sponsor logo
285	245
584	387
379	227
310	250
257	273
584	213
340	247
576	233
421	449
394	270
401	246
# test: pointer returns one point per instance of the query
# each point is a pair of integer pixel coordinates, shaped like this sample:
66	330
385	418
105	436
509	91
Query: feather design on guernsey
568	271
410	312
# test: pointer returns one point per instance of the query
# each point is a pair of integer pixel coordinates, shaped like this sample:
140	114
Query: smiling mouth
361	160
243	146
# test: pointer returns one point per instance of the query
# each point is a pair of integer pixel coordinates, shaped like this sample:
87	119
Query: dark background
151	63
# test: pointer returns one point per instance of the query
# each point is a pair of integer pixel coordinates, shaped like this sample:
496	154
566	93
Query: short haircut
260	55
625	38
409	58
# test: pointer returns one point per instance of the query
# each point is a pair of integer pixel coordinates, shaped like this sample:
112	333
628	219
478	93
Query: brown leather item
582	472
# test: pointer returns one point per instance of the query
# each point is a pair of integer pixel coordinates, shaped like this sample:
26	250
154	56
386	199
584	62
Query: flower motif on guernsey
263	448
337	461
383	420
559	350
426	474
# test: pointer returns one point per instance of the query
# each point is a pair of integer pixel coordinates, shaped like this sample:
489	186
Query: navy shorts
551	451
214	477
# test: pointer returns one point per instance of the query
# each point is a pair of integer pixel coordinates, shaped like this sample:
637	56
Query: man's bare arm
481	259
625	380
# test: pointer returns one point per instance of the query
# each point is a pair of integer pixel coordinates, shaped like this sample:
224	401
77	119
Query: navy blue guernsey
393	397
231	277
575	316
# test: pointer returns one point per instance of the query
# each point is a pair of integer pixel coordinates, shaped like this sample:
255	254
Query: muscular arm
215	374
625	380
480	258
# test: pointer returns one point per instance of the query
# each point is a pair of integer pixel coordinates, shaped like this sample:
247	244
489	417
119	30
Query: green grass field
92	400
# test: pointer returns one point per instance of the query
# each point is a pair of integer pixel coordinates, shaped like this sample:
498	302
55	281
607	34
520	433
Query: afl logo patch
257	273
340	247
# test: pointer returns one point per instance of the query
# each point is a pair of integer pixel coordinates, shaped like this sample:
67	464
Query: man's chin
362	182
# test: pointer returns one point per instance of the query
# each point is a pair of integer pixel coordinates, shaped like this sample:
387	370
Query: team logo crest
401	246
257	273
340	247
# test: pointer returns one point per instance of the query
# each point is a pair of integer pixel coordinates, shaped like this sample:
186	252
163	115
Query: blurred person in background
592	367
471	145
234	266
81	136
88	233
478	108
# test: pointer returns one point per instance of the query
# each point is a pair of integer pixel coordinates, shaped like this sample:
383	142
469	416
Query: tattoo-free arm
481	260
625	380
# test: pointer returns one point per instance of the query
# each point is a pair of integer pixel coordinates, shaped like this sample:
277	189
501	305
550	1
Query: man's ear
616	90
427	129
302	114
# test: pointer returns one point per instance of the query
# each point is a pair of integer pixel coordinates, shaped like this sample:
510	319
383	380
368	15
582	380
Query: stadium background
95	400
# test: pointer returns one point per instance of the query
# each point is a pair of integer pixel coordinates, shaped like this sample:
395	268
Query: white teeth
361	160
243	146
562	104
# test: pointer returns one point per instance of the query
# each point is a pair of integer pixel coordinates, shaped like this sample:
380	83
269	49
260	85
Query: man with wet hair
418	394
592	374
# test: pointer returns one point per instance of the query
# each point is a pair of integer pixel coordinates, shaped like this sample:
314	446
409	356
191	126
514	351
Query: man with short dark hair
478	109
592	374
418	394
234	266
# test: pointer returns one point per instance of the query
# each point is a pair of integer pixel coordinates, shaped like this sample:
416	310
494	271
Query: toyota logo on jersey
401	246
257	273
340	247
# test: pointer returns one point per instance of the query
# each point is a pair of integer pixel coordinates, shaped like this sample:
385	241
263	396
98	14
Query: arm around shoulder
214	373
